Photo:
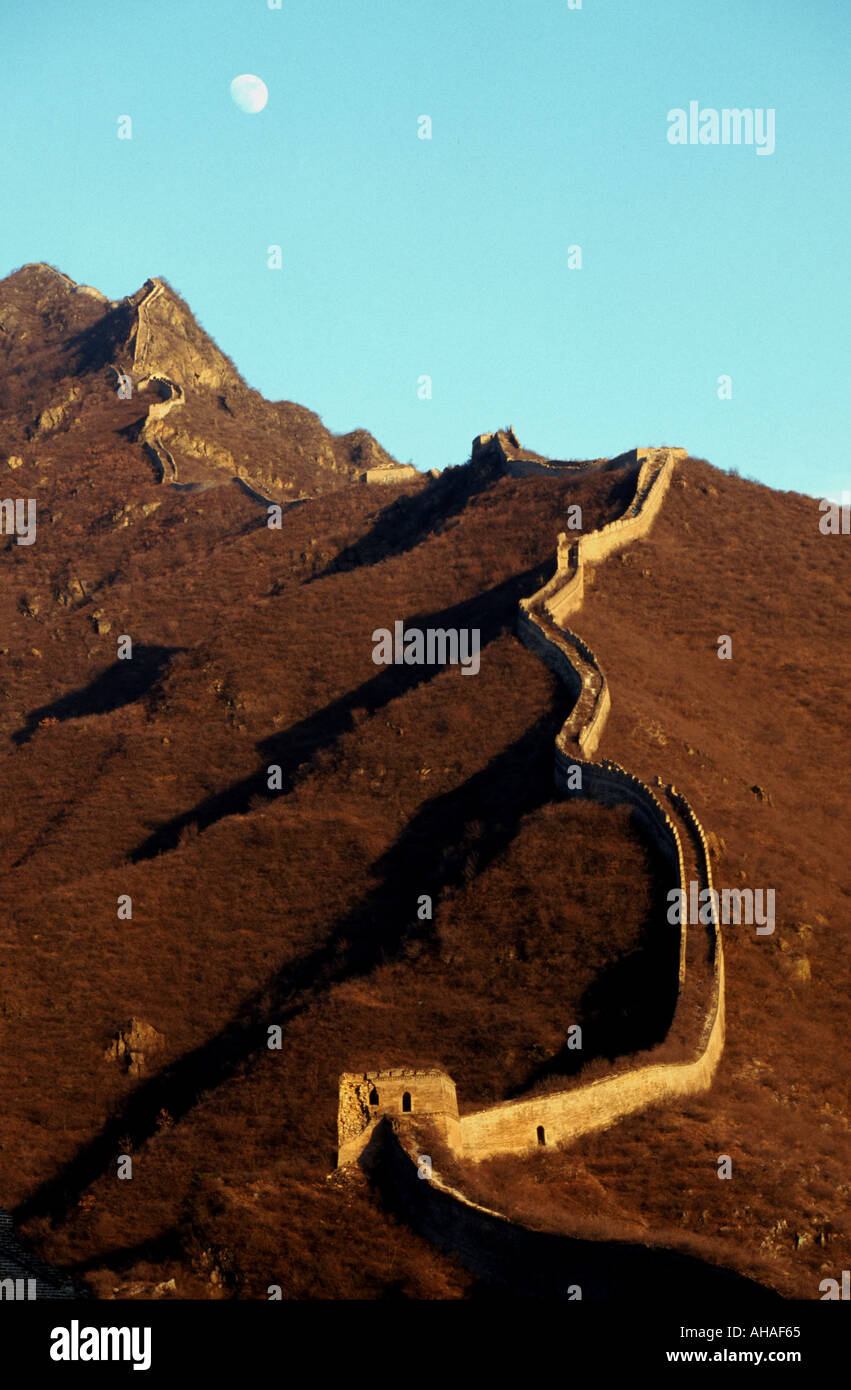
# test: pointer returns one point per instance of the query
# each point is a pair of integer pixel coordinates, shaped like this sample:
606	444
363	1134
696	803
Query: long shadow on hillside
120	684
119	1258
407	520
490	612
94	347
435	852
629	1005
544	1264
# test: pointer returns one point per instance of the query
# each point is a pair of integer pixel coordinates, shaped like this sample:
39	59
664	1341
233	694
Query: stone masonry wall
612	785
402	473
504	448
577	665
367	1097
654	479
559	1117
144	334
563	594
565	1115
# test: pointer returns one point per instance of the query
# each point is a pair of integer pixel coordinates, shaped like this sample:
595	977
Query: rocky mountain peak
78	367
166	340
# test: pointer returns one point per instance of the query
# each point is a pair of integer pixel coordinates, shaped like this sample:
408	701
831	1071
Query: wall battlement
367	1097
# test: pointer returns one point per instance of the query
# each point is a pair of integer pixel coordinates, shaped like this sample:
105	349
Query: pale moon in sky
250	93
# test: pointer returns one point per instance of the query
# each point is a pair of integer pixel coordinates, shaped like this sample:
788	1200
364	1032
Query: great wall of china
393	1111
383	1112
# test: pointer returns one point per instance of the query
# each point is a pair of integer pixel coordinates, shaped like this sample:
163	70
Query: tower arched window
373	1097
406	1101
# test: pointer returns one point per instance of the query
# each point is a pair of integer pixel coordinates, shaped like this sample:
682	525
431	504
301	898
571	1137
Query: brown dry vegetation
762	573
252	647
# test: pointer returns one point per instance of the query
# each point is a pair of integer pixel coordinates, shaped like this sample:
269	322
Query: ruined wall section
564	594
170	393
171	396
400	473
502	448
365	1098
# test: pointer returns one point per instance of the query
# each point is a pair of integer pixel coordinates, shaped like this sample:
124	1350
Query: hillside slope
252	648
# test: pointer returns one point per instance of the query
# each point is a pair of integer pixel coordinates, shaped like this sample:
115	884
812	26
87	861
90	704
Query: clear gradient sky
449	257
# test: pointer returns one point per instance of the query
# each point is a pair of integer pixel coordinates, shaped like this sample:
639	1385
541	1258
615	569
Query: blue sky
449	257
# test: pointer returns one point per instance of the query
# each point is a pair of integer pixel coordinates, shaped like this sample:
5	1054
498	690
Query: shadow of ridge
535	1263
410	519
164	1246
434	852
630	1004
120	684
491	612
406	521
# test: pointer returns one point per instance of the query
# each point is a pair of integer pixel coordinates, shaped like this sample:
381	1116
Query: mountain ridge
64	349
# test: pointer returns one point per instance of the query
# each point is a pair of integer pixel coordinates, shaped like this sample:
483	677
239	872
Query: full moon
249	93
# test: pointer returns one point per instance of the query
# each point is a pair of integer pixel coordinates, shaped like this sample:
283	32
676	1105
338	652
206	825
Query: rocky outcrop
41	267
54	416
57	336
168	344
367	454
135	1047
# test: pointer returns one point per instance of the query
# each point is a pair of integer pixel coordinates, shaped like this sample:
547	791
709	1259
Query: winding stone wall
172	396
541	1263
558	1117
611	785
144	332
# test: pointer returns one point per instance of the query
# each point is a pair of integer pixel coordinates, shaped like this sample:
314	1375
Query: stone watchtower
366	1097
